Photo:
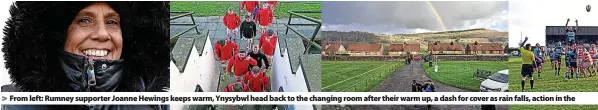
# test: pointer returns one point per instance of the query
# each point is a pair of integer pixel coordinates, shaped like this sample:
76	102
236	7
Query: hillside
462	36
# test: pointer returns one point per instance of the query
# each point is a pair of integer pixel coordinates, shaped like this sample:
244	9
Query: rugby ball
588	8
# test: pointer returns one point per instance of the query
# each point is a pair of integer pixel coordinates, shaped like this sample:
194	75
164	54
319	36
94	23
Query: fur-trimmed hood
36	32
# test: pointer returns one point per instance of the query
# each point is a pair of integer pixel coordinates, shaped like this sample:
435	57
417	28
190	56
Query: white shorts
223	64
231	32
587	64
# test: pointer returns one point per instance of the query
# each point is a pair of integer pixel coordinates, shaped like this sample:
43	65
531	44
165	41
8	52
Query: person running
248	30
527	57
257	80
416	87
429	87
241	65
408	58
225	49
249	6
558	51
264	18
232	22
539	59
268	43
430	58
572	62
260	57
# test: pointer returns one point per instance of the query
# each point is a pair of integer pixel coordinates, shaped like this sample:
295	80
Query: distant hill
352	36
461	36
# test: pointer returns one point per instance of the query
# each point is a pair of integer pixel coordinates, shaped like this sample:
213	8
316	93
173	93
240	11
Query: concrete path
400	81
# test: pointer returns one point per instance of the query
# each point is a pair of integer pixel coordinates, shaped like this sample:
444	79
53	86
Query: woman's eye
84	21
111	22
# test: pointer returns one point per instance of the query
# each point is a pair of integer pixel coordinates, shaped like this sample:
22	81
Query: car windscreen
499	77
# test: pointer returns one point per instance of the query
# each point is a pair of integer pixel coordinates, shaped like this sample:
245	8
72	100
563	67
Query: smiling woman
95	33
87	47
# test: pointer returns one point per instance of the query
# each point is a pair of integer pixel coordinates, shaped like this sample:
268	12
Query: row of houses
366	49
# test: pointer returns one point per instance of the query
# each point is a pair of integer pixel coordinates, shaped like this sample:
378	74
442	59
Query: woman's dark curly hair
36	32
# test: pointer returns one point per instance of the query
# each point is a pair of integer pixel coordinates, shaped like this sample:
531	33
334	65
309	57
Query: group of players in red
248	68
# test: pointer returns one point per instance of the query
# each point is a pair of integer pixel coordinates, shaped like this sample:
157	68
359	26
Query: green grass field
338	75
207	8
460	73
550	83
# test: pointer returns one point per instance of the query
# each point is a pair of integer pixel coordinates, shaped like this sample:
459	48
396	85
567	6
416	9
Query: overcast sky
394	17
530	17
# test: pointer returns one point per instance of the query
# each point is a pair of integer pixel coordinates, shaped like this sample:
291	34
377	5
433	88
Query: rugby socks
539	72
531	83
522	85
566	75
558	72
577	75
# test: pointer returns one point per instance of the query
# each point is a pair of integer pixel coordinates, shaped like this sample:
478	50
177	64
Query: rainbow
437	15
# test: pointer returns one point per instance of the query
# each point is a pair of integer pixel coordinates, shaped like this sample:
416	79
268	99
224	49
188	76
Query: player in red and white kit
588	63
580	60
592	55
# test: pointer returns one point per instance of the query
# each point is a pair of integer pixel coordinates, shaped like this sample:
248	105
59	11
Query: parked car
497	82
417	58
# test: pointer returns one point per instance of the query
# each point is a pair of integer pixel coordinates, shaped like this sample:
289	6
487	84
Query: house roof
404	48
396	47
445	47
364	47
486	47
332	47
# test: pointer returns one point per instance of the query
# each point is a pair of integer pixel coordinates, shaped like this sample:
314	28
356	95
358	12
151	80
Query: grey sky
393	17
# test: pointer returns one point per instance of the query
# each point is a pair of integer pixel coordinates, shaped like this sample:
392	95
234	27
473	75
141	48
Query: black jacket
248	29
416	87
260	58
33	46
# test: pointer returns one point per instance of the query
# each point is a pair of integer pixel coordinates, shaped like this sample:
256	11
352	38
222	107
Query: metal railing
183	14
318	24
367	80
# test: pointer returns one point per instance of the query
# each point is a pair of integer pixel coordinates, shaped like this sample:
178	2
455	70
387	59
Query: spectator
89	47
232	22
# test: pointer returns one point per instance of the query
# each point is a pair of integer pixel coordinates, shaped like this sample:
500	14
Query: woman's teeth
94	52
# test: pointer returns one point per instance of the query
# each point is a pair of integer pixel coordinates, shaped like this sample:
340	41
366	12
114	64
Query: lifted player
571	32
